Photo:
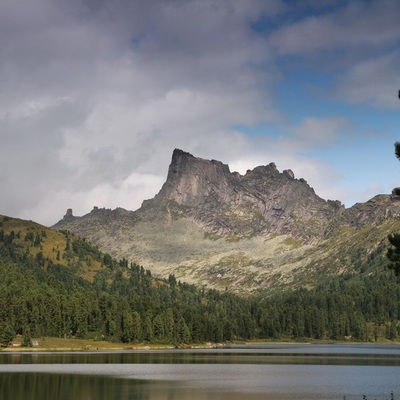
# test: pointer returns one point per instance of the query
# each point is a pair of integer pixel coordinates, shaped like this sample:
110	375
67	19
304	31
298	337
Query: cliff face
210	226
260	202
193	181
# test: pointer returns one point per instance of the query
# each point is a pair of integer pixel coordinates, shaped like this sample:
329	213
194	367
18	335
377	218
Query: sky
96	94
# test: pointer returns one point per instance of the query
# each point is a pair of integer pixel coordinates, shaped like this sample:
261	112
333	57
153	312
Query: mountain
259	231
262	201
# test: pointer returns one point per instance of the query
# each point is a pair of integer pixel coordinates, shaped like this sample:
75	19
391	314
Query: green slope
55	284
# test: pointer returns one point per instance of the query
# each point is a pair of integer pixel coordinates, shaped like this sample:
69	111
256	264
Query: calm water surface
273	372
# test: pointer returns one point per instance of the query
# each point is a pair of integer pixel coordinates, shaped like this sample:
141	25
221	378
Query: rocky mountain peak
262	201
68	215
191	180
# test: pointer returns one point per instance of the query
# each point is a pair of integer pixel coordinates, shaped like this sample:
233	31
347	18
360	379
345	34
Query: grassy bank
71	344
60	344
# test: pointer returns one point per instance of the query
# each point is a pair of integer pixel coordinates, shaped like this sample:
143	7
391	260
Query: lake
274	372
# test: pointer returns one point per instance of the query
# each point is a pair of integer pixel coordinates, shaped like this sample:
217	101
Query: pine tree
137	327
27	339
183	332
393	252
147	329
7	334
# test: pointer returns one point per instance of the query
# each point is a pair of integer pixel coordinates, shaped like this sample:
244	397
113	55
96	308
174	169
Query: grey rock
260	202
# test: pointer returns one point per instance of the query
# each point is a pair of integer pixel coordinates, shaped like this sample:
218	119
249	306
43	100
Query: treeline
363	308
125	303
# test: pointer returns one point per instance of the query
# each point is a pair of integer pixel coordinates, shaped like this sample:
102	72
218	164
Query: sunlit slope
52	247
168	242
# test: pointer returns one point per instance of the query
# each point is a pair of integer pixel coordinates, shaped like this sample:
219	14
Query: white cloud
358	43
110	195
373	81
289	151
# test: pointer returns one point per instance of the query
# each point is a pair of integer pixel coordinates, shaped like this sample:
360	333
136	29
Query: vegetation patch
124	303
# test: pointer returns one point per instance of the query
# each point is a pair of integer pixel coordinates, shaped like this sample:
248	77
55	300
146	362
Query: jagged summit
222	202
190	179
262	201
208	225
69	216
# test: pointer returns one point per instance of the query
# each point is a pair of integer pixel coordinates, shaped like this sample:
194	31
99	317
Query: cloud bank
96	94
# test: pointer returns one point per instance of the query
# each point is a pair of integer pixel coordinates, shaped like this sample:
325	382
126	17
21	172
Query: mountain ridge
260	230
260	202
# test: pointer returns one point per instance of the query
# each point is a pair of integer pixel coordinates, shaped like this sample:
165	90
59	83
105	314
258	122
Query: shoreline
61	344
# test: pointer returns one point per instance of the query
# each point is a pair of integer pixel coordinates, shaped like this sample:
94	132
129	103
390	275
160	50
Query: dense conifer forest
123	302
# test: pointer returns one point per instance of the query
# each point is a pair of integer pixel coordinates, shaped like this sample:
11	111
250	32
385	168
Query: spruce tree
7	334
396	191
27	339
393	252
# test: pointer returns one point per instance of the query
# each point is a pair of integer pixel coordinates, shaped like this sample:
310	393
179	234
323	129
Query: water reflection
66	387
388	355
273	372
47	386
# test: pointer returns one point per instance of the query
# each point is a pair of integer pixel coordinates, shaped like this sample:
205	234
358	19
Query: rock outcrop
260	202
68	215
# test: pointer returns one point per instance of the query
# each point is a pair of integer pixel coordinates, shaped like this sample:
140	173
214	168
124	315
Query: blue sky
96	95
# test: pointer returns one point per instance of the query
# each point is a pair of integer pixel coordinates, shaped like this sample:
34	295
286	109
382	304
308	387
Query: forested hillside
56	284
